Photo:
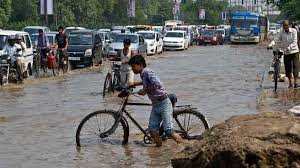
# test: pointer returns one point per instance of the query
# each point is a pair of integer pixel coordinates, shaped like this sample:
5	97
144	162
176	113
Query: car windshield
80	39
34	37
113	35
51	40
220	32
174	34
148	35
3	40
209	32
31	31
244	23
120	38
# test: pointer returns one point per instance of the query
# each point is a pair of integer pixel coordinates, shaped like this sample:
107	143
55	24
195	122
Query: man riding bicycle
42	43
61	43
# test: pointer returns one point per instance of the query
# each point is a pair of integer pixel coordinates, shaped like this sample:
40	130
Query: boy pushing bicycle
161	105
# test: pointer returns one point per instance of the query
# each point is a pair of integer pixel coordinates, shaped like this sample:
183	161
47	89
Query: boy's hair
60	27
137	59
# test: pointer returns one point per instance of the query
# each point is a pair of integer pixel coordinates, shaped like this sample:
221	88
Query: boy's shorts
162	111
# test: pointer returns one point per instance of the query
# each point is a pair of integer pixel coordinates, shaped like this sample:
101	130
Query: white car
138	44
176	40
154	41
187	30
27	58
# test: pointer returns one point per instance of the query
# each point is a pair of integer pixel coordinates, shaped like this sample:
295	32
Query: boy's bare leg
156	138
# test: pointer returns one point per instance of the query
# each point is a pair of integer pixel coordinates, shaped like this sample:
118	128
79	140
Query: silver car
138	44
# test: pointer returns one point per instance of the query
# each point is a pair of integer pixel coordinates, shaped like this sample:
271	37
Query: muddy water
38	120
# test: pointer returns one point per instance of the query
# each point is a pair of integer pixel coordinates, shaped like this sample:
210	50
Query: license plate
74	58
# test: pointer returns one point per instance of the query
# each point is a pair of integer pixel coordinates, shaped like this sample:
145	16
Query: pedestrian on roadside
295	26
287	40
162	110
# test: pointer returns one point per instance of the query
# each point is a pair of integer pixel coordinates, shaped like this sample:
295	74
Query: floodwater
38	120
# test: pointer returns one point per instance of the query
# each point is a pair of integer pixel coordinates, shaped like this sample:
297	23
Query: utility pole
46	12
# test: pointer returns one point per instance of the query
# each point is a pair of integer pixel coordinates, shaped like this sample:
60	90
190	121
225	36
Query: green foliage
15	14
289	9
5	12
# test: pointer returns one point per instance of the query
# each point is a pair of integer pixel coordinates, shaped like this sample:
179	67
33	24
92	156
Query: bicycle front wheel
107	87
45	65
92	127
190	123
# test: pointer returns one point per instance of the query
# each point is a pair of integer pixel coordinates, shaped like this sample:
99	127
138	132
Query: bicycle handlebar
126	92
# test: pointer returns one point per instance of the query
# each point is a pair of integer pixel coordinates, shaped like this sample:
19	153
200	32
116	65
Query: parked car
187	30
154	41
175	40
70	29
138	44
106	41
27	58
85	48
35	29
222	32
158	29
211	36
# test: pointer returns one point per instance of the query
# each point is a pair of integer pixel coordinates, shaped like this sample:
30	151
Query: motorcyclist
12	50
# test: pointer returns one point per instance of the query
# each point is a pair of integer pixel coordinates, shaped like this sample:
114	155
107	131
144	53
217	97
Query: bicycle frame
123	110
120	116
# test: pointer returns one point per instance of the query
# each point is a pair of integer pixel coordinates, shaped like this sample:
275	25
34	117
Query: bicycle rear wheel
90	129
189	123
107	87
276	74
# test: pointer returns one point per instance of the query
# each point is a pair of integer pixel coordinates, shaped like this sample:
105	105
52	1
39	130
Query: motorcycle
8	71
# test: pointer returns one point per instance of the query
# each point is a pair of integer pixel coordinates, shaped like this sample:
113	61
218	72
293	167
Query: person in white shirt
126	73
286	40
10	48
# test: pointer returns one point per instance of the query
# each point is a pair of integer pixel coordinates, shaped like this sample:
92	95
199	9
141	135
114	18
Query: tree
5	12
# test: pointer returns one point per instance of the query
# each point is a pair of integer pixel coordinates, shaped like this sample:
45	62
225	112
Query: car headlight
88	52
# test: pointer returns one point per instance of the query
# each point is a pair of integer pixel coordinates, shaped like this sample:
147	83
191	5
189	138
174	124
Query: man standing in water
287	41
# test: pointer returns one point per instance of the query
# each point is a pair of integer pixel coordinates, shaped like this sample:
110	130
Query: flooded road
38	120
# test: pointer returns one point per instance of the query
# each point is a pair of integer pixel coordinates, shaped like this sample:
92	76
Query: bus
248	27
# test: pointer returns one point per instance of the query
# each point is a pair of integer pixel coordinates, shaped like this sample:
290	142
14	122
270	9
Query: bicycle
112	80
112	126
62	62
41	61
276	64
